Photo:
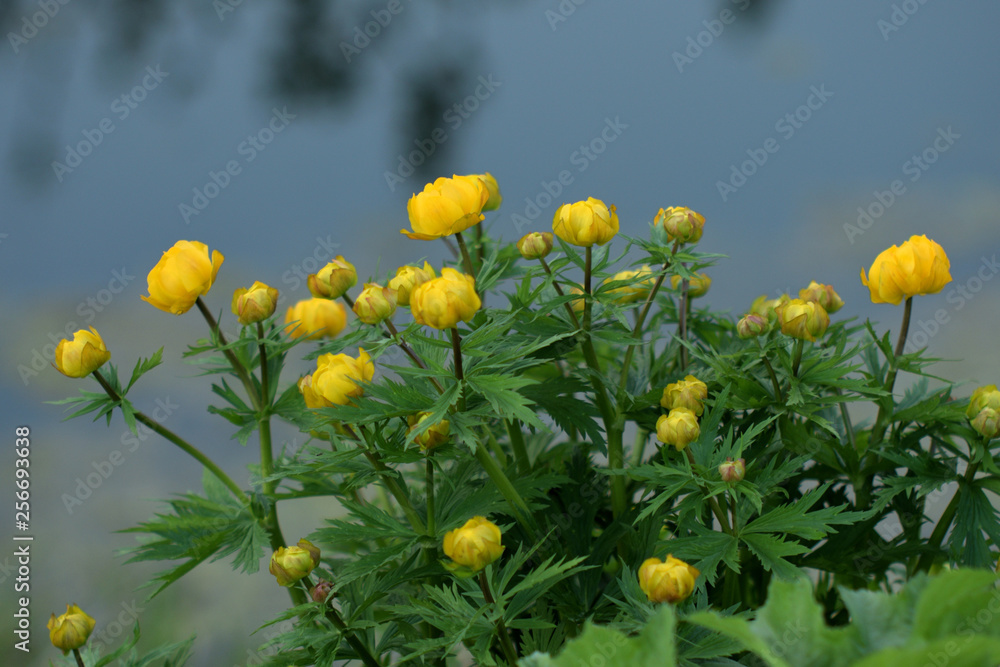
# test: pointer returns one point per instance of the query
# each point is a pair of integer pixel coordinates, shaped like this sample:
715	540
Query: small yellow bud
679	428
751	326
987	423
637	290
732	471
336	379
289	564
70	631
333	280
83	355
585	223
409	278
803	319
375	303
495	199
680	223
185	272
697	286
670	580
824	295
535	245
316	318
435	435
983	397
687	393
475	545
444	302
767	308
254	304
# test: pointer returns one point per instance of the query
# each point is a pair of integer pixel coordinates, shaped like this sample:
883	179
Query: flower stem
456	347
640	320
713	503
569	307
238	368
519	508
937	536
505	642
266	453
466	258
192	451
429	476
799	346
682	319
79	658
881	420
517	444
386	474
364	653
770	371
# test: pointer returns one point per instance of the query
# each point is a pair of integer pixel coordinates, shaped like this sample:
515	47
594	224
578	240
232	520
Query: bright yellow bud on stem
333	280
184	273
316	318
475	545
670	580
918	266
254	304
444	302
70	631
585	223
289	564
446	206
83	355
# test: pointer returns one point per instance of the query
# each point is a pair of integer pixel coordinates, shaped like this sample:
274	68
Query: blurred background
811	136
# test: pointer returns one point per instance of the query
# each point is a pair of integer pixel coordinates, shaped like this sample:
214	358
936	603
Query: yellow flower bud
983	397
535	245
375	303
446	206
475	545
578	303
670	580
680	223
83	355
335	380
585	223
407	279
767	308
918	266
495	198
289	564
435	435
443	302
751	326
803	319
824	295
679	428
732	471
697	286
987	423
642	280
184	273
687	393
69	631
316	318
254	304
333	280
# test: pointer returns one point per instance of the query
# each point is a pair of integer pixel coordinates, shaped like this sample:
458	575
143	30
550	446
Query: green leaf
143	366
952	604
772	551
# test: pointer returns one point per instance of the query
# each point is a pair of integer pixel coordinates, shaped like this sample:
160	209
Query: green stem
387	475
732	509
639	447
79	658
640	320
937	537
517	444
799	346
682	322
519	508
881	420
364	653
192	451
569	307
238	368
429	477
466	258
713	503
266	454
456	348
770	371
505	642
394	333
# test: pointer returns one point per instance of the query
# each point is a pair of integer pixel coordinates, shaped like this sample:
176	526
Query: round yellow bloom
918	266
184	273
987	423
638	290
254	304
585	223
335	380
409	277
697	286
670	580
70	630
289	564
751	326
824	295
475	545
446	206
375	303
435	435
803	319
767	308
495	199
732	471
983	397
316	318
679	428
680	223
687	393
535	245
83	355
443	302
333	280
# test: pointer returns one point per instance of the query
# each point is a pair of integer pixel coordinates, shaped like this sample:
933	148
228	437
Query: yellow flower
585	223
987	423
443	302
475	545
289	564
578	303
697	286
751	326
824	295
375	303
435	435
687	393
732	471
639	289
83	355
983	397
446	206
70	630
335	380
254	304
495	199
184	273
409	277
767	308
679	428
670	580
918	266
680	223
535	245
316	318
333	280
803	319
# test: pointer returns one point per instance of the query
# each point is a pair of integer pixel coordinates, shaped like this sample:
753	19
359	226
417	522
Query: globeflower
444	302
824	295
83	355
639	289
697	285
333	280
585	223
435	435
446	206
184	273
70	631
254	304
375	303
535	245
409	278
289	564
336	379
475	545
687	393
803	319
316	318
495	198
983	397
680	223
670	580
918	266
679	428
